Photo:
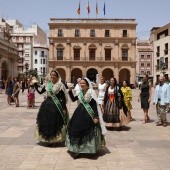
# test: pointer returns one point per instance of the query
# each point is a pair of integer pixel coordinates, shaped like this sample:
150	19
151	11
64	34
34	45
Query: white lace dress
101	88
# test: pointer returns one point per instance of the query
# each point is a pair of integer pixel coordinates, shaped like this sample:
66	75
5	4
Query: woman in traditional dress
145	97
101	91
127	98
112	105
86	129
52	116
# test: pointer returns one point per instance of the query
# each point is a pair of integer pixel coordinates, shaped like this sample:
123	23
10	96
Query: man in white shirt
162	99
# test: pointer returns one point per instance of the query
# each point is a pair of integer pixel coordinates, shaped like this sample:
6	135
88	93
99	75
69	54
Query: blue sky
148	13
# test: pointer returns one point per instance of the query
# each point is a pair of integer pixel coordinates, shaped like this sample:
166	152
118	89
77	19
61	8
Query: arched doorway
75	74
124	74
4	70
107	73
91	74
62	74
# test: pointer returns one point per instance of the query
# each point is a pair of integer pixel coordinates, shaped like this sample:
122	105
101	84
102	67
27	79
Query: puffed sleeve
42	90
93	105
73	98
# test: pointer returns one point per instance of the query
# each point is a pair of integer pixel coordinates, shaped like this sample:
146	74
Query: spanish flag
97	11
88	8
78	10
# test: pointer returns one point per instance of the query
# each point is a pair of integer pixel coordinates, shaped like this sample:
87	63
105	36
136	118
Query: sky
148	13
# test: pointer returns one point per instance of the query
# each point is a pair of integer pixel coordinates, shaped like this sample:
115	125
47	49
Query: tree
27	69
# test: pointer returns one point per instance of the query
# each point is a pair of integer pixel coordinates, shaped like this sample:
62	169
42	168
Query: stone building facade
8	53
160	40
144	58
93	47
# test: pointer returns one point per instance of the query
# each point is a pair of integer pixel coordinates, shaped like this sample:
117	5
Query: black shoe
49	144
76	155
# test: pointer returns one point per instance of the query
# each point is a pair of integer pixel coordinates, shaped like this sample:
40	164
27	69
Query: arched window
36	61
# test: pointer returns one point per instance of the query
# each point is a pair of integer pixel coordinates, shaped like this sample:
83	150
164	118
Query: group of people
12	89
85	131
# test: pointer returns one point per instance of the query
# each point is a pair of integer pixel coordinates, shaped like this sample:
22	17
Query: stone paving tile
136	147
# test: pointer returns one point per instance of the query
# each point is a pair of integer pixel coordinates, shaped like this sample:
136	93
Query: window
27	39
59	54
77	33
92	54
107	33
158	51
142	64
36	69
76	54
124	33
148	72
166	49
60	33
92	33
148	56
36	62
142	56
43	61
108	54
148	64
142	72
124	54
27	55
35	52
42	53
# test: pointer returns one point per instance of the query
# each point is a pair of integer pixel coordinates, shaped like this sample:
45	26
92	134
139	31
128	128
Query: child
30	101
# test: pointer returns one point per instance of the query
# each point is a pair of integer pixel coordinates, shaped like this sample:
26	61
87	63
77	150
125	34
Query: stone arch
107	73
4	70
124	74
75	74
62	74
91	74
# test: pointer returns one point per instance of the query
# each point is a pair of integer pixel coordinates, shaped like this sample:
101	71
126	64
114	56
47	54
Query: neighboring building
144	59
24	39
87	47
8	53
160	40
40	59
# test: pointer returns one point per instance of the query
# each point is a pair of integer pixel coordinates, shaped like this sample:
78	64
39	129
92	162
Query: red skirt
30	95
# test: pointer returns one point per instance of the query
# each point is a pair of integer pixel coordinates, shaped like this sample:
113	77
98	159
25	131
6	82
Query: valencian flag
97	11
104	9
78	10
88	8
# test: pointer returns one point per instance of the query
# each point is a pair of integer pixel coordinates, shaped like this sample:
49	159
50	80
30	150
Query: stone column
68	74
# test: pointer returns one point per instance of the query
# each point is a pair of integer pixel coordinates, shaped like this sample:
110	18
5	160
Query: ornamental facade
93	48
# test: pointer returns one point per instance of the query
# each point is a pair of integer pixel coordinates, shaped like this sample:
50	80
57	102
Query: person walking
16	90
23	84
8	89
162	100
112	105
101	91
127	98
52	116
145	97
86	128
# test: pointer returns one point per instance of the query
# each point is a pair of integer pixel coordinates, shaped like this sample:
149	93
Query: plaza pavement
136	147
